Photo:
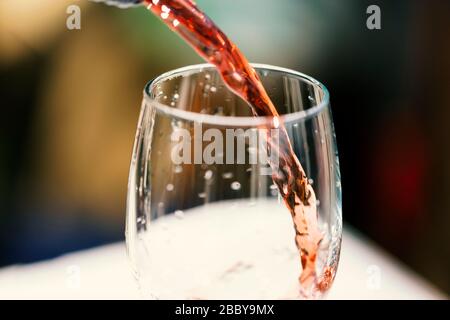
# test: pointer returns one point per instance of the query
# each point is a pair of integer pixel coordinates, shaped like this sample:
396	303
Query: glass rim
233	120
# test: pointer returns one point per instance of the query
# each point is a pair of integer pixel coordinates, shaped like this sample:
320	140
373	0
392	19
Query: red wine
183	17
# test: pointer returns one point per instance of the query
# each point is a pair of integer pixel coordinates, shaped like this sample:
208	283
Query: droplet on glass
235	185
311	181
273	187
176	96
179	214
140	220
227	175
169	187
219	111
178	169
207	76
276	122
160	210
213	89
202	195
208	175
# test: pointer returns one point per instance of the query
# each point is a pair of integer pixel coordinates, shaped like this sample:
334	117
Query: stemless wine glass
204	218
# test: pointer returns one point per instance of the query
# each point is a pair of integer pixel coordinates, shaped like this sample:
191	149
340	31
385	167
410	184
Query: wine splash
197	29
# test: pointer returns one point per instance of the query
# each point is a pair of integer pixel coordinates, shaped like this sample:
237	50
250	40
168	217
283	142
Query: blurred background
70	102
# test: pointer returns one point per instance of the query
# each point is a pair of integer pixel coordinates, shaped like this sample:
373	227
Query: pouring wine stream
197	29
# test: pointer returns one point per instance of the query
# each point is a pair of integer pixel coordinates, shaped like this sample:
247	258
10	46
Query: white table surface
365	272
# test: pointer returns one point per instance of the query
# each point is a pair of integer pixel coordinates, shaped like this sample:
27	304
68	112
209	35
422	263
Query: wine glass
204	217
